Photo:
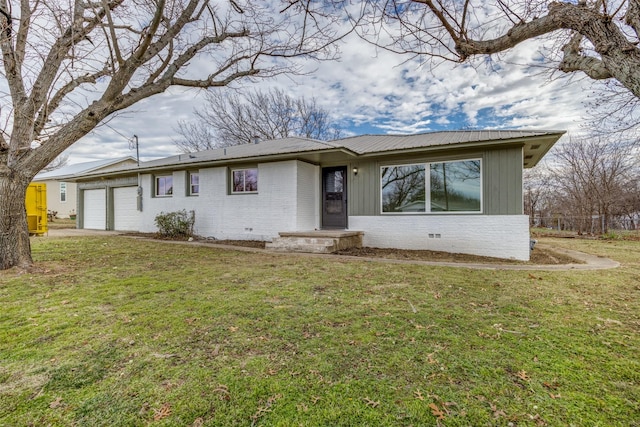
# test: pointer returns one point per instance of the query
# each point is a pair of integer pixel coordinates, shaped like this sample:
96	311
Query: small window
194	183
63	191
244	181
164	186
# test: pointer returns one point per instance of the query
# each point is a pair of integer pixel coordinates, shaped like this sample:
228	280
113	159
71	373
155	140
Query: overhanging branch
61	94
632	16
211	82
572	60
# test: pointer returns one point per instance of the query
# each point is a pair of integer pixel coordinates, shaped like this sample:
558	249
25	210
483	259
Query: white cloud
376	91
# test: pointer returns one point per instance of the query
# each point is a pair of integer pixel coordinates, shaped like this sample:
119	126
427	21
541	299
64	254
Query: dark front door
334	197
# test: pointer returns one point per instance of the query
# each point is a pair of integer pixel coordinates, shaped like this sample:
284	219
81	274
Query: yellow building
36	206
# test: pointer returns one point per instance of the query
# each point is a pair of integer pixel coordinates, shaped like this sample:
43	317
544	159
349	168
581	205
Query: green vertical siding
363	189
503	181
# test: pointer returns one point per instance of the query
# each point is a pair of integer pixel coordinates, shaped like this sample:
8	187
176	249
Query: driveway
70	232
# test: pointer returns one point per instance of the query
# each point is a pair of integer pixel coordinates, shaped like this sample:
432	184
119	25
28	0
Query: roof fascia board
251	159
69	177
547	139
551	140
448	147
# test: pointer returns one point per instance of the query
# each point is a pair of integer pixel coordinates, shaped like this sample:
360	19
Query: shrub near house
176	224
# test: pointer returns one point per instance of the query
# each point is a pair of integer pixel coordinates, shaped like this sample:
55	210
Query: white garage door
125	209
95	209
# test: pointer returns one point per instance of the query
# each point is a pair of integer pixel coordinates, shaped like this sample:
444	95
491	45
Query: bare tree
613	109
68	66
592	179
537	191
628	207
235	119
598	38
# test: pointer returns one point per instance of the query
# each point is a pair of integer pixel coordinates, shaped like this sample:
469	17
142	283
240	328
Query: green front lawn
119	331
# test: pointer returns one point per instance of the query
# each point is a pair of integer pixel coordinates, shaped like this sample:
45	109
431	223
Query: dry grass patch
538	256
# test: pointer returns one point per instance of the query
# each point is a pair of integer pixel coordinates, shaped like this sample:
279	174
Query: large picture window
164	186
244	180
447	187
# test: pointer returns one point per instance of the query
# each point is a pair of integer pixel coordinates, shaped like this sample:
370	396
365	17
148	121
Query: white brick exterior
308	197
501	236
287	200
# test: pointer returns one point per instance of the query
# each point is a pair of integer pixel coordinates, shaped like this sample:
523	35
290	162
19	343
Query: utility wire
127	138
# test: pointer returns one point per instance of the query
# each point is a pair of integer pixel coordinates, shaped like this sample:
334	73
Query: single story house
61	191
455	191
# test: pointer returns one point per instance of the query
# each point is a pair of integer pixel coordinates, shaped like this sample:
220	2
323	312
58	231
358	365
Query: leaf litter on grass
326	338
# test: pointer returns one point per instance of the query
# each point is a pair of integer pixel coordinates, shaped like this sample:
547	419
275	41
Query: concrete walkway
591	262
71	232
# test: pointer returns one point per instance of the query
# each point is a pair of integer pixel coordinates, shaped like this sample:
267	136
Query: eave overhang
190	161
534	147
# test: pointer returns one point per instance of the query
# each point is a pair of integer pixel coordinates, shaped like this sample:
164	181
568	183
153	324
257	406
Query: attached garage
95	209
125	209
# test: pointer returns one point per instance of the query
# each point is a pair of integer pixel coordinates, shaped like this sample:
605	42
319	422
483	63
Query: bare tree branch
57	163
573	60
444	30
112	32
23	31
54	54
60	95
632	16
234	120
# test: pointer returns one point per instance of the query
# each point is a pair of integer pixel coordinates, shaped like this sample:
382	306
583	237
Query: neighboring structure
61	191
447	191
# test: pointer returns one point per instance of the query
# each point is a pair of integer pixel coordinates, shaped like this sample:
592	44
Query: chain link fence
595	224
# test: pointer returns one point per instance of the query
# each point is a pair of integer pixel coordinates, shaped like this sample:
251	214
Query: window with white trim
63	192
164	186
452	186
244	180
194	183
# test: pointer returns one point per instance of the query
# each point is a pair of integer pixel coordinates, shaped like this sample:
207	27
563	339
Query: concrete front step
321	242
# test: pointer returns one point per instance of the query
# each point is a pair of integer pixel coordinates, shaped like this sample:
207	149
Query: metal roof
69	171
367	144
535	145
356	145
290	145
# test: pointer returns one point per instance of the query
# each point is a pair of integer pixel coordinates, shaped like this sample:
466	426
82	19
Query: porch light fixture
355	170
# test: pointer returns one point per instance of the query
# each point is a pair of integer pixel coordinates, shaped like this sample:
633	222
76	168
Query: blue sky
374	91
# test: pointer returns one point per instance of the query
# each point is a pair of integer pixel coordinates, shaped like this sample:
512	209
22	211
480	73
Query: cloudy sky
370	90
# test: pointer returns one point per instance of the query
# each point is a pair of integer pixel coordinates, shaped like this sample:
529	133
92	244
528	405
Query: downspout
139	191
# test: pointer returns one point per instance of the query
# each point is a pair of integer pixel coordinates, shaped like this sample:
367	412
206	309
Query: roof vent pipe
256	139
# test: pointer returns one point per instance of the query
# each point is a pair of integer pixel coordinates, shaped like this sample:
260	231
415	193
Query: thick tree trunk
15	248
